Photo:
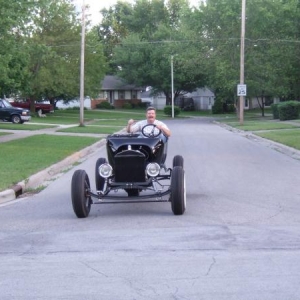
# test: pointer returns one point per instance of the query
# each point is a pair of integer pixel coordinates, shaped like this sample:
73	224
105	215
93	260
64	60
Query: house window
102	95
133	95
121	95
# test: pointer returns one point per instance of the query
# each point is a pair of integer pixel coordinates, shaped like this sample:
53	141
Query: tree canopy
40	47
141	38
40	53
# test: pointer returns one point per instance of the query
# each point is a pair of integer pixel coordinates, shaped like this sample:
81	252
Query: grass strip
5	133
260	125
27	126
24	157
289	138
55	119
92	129
109	122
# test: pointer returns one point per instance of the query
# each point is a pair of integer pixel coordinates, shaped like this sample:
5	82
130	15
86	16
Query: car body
134	171
13	114
43	107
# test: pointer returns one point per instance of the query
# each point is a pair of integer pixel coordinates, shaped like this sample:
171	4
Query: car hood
117	141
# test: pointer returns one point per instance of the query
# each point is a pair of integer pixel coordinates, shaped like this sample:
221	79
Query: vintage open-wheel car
134	171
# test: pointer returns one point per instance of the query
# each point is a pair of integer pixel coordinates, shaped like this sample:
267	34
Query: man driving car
133	127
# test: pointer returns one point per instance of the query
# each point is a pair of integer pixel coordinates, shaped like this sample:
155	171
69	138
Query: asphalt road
239	238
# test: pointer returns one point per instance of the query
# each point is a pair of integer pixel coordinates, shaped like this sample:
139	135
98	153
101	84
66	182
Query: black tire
178	161
178	191
16	119
98	179
132	192
81	201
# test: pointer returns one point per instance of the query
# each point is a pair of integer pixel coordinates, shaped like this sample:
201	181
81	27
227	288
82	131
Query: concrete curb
41	178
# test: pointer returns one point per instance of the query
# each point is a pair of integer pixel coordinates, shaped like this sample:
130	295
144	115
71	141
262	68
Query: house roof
111	82
202	92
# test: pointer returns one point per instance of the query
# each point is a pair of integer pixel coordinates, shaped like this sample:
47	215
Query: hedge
288	110
168	110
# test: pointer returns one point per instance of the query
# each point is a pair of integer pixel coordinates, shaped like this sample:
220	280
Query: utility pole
82	66
172	84
243	19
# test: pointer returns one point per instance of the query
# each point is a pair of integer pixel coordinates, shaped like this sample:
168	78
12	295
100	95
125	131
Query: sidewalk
47	174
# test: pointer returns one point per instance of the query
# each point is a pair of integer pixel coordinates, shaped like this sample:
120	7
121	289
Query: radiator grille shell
130	166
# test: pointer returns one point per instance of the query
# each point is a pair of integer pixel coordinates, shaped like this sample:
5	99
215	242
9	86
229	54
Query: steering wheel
151	131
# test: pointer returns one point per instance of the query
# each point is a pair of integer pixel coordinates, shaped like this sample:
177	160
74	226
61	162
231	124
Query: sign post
242	91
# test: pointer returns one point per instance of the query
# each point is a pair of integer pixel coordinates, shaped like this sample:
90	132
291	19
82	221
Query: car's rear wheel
178	161
81	201
99	180
178	191
16	119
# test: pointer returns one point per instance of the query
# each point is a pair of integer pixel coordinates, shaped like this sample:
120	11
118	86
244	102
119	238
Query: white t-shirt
140	124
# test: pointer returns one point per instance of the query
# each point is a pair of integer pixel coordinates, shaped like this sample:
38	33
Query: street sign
241	89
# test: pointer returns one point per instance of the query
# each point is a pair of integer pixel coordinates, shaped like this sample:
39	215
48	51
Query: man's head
151	115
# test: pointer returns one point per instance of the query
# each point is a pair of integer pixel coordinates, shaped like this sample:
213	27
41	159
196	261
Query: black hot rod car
135	172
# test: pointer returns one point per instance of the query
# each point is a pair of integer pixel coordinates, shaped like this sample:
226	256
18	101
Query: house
117	92
158	101
203	98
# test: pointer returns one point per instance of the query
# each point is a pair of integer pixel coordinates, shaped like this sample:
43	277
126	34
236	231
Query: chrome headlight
153	169
105	170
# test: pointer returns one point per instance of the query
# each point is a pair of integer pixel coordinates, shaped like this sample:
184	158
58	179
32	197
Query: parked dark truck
45	108
12	114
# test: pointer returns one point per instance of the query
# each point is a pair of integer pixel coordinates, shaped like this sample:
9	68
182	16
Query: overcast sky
97	5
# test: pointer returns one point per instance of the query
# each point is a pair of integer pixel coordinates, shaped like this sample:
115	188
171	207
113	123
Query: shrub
289	110
168	110
104	105
275	112
217	108
127	106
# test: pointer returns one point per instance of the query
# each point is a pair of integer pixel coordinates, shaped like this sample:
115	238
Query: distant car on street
13	114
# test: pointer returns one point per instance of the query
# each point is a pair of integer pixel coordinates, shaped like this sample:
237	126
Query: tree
143	57
271	49
113	28
53	71
13	27
272	40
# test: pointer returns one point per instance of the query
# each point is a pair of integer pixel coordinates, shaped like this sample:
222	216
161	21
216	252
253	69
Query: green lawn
287	137
21	158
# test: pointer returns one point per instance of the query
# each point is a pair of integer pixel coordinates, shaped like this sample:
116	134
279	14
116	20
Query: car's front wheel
99	180
132	192
178	161
178	191
16	119
81	201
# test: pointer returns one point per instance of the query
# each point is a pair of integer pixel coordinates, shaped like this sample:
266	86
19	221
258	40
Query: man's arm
128	128
164	129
